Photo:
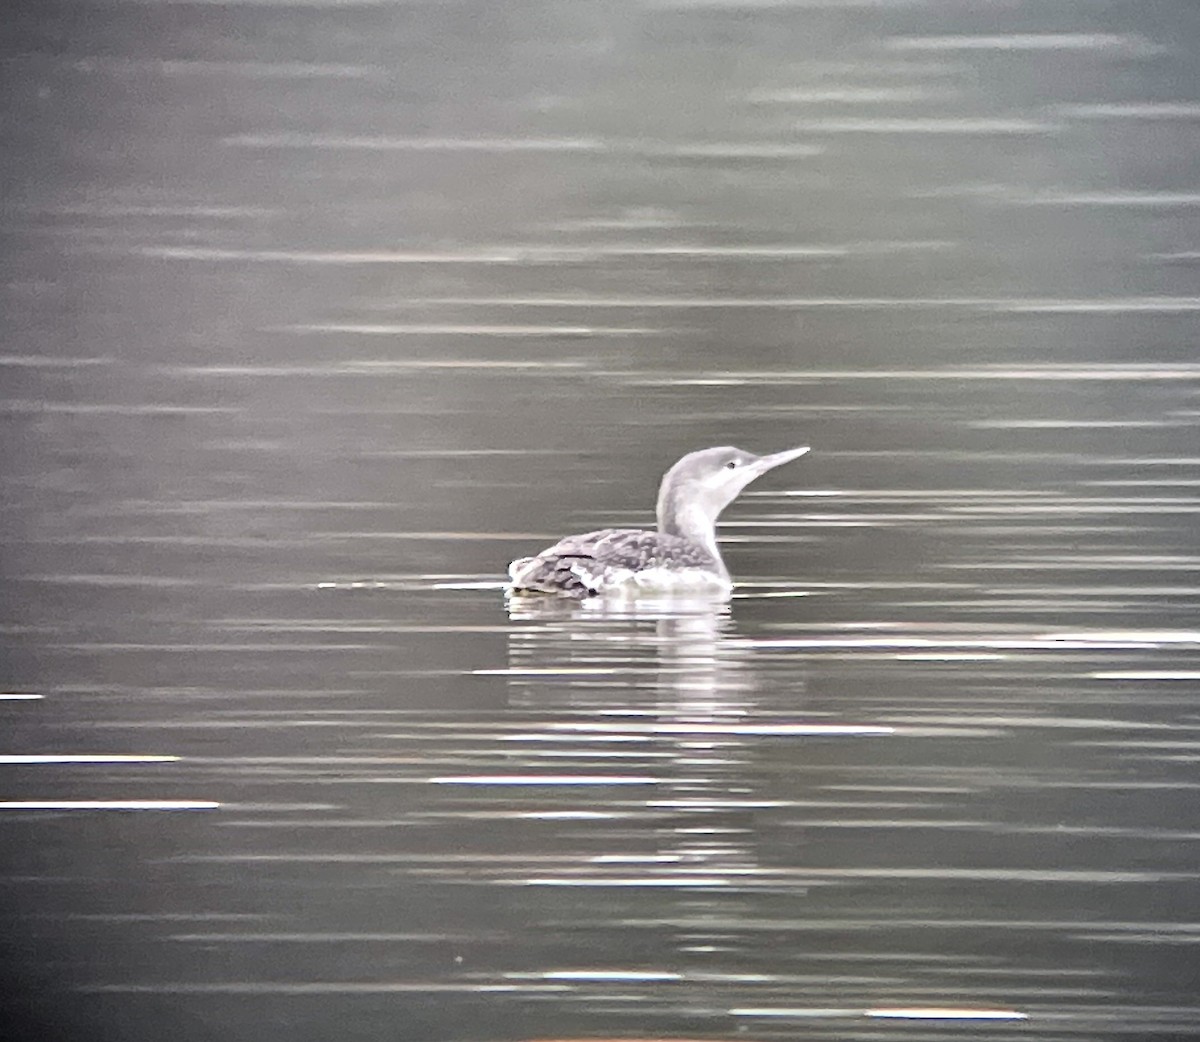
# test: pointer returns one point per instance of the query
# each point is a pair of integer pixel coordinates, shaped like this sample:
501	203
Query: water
317	314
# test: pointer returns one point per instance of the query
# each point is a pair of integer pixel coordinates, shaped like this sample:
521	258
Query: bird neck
688	521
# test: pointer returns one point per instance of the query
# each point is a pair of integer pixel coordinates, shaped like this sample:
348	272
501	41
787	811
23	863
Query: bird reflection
663	685
699	666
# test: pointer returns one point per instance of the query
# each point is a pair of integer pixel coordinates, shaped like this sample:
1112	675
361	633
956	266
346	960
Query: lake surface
317	314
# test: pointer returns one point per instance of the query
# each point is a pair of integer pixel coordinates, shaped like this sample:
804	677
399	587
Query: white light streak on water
1155	937
108	805
415	144
11	758
892	1013
723	150
933	1013
318	987
478	255
1113	877
1014	305
374	367
40	362
250	69
547	671
610	975
318	938
543	779
723	804
95	409
113	209
576	738
503	146
1110	306
637	859
651	882
1129	44
1153	636
844	95
1135	199
810	730
929	125
428	329
1047	643
1077	424
1134	110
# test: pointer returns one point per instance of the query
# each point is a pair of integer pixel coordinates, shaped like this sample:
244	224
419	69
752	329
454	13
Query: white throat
694	523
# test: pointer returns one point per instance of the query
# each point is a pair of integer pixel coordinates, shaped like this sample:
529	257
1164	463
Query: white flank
627	582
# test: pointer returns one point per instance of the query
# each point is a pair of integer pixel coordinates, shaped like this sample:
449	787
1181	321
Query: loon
680	557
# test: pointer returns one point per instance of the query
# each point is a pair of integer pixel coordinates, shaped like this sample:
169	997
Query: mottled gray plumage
579	564
681	555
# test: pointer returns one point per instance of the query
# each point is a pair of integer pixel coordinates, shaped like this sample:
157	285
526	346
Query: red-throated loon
681	557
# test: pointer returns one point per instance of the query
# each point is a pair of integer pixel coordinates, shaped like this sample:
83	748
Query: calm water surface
316	314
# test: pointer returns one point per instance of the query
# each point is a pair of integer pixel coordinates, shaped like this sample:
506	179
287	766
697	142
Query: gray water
316	314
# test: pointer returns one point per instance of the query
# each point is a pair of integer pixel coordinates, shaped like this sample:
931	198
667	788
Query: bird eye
732	464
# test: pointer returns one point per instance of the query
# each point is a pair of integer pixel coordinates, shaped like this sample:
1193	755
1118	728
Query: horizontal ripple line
1132	44
36	758
1016	305
108	805
533	253
883	1012
928	125
680	150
